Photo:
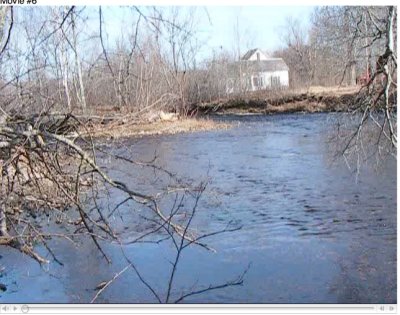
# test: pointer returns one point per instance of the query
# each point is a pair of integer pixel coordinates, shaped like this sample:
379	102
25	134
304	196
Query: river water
312	231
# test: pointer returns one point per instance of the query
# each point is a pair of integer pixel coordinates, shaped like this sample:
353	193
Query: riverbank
315	99
160	127
109	123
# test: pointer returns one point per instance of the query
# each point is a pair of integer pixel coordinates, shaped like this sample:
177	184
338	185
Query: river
311	230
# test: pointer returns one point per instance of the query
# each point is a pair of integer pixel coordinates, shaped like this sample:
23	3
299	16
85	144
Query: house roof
264	55
271	64
247	55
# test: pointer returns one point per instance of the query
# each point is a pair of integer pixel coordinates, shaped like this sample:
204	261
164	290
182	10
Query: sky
260	26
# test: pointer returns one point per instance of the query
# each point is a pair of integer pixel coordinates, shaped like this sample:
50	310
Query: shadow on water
311	233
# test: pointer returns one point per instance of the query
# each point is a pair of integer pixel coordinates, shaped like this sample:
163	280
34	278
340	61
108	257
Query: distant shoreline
315	100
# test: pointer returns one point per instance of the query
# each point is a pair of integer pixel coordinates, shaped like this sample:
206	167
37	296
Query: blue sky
260	25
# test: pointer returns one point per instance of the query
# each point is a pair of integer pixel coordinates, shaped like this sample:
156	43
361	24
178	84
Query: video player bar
195	309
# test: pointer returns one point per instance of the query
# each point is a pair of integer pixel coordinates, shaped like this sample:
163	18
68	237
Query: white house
258	71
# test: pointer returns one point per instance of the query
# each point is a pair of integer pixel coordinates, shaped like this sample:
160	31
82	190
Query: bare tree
299	54
81	88
369	32
48	159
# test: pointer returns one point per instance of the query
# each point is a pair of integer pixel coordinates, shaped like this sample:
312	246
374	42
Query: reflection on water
311	232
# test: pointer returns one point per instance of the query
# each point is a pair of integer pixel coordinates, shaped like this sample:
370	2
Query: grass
135	129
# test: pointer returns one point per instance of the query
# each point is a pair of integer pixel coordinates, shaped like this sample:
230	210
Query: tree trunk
3	223
78	64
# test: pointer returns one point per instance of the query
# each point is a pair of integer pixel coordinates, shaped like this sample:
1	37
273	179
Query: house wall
283	77
267	80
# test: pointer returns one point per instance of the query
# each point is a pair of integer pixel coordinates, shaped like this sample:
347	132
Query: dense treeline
63	58
338	46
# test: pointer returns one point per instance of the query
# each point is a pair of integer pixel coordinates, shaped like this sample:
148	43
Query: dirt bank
316	99
109	123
